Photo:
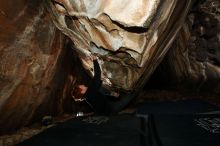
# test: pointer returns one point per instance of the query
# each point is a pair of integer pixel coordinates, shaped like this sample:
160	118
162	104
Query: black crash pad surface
123	130
188	130
178	107
177	124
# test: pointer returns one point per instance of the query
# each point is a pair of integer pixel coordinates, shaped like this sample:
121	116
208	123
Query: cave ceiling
128	37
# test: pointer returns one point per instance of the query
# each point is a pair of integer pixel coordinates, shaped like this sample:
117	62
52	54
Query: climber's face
122	33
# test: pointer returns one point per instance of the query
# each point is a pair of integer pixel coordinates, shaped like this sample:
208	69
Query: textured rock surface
195	56
129	37
32	71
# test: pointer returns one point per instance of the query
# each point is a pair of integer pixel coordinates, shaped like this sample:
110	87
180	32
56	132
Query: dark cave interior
39	68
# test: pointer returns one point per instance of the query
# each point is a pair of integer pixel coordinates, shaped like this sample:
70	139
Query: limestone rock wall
130	38
195	55
33	72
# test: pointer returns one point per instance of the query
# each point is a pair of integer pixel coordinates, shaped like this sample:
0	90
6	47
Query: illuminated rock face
130	38
32	74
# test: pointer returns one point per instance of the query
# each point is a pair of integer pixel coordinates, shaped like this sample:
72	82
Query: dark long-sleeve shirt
102	103
93	96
